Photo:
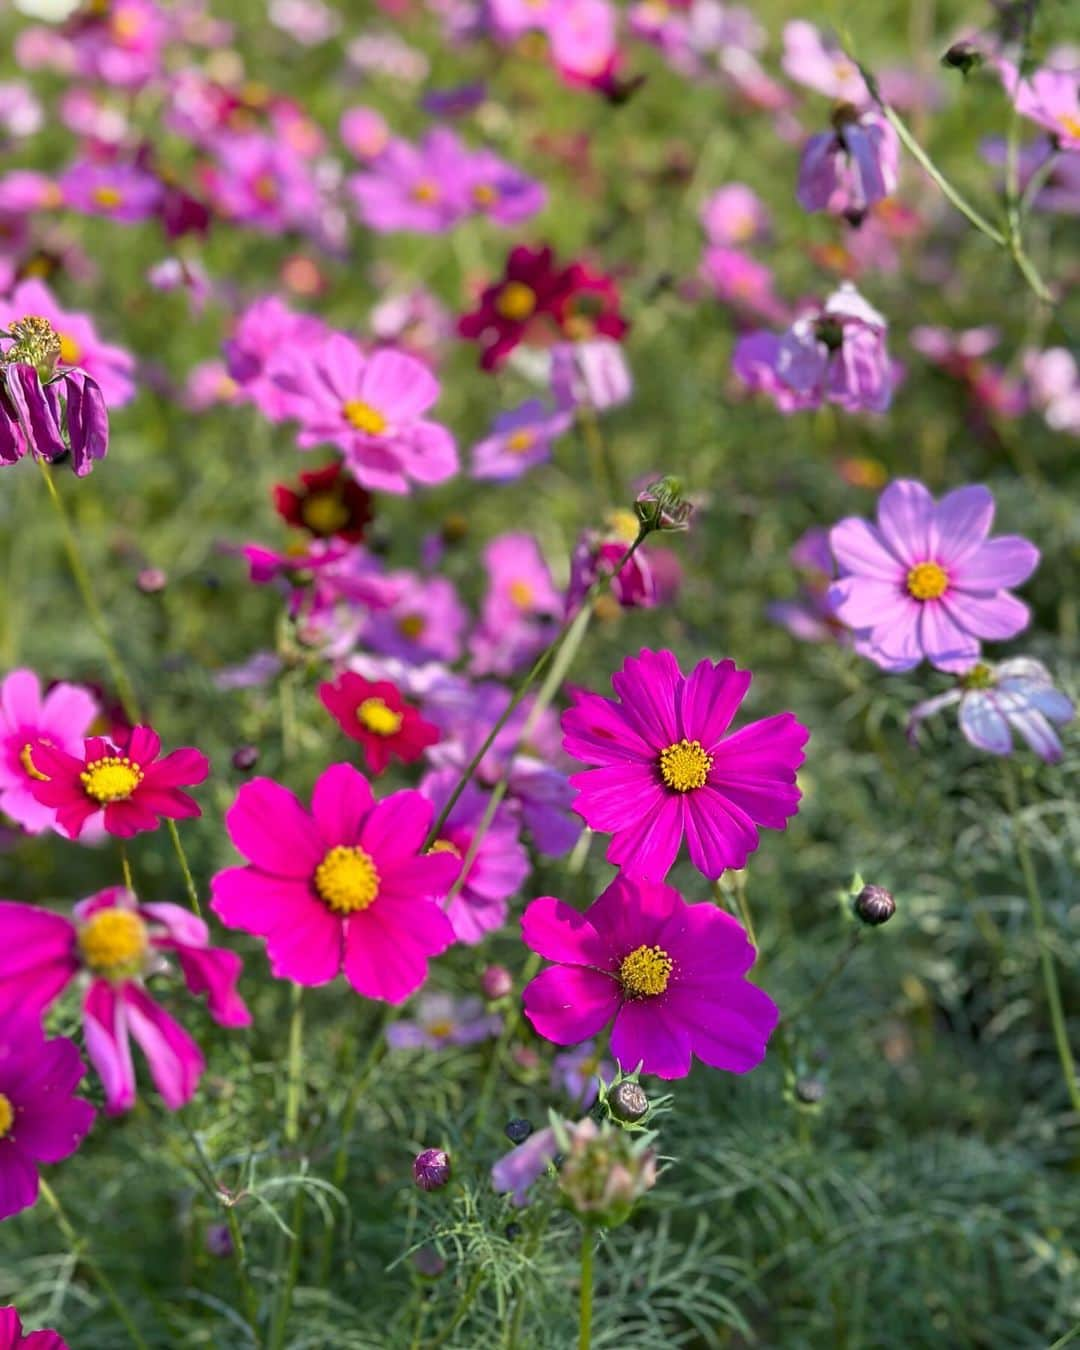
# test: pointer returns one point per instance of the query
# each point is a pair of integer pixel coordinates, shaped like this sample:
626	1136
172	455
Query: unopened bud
427	1261
219	1240
518	1130
662	506
431	1169
809	1091
245	757
496	982
605	1172
963	56
151	580
627	1102
874	905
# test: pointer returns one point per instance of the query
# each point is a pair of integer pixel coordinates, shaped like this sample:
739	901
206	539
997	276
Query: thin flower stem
537	669
506	1035
464	1303
738	886
827	980
80	1247
125	866
124	687
189	880
1038	181
585	1296
1042	933
293	1094
604	472
532	1243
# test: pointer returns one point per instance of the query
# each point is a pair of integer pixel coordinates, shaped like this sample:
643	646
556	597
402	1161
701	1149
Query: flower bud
512	1231
496	982
218	1239
431	1169
662	506
874	905
427	1261
963	56
627	1102
518	1130
605	1172
809	1091
151	580
245	757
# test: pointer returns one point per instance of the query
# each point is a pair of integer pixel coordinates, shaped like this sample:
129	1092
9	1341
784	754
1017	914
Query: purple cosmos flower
734	214
665	767
121	192
122	45
423	622
926	581
846	170
522	1167
41	1120
519	440
809	617
27	721
670	975
413	187
996	700
443	1020
498	868
259	180
372	408
496	189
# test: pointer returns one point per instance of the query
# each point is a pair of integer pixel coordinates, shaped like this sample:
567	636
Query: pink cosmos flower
264	331
20	112
413	187
364	132
12	1338
499	867
261	182
926	581
519	607
110	366
734	214
372	408
123	44
819	63
1048	97
846	170
591	374
519	440
343	887
498	190
583	39
1053	378
111	944
374	713
27	721
743	283
424	621
664	766
41	1121
124	785
670	975
441	1020
121	192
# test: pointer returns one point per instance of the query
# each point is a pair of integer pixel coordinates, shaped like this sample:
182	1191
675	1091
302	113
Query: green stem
509	1028
189	880
125	866
533	1242
1042	933
80	1248
464	1303
124	687
585	1298
833	973
293	1093
738	886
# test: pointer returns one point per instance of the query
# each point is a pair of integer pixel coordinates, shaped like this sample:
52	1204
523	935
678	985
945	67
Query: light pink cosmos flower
591	374
734	214
364	133
1049	97
926	581
62	718
23	191
511	18
372	408
20	112
118	191
582	36
1054	382
111	366
342	888
819	63
440	1020
413	187
665	767
111	944
743	283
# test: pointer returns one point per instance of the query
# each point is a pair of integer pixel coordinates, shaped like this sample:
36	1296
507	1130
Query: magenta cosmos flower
665	768
111	943
41	1120
344	887
126	785
28	721
372	408
12	1338
670	975
926	581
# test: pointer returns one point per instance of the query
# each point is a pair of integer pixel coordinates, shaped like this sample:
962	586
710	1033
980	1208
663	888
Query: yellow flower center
515	301
70	351
126	25
521	593
265	188
364	417
425	191
685	765
445	846
579	327
411	625
378	717
646	971
26	759
347	880
484	194
624	525
107	196
324	512
1070	124
112	779
113	943
440	1030
927	581
7	1116
520	441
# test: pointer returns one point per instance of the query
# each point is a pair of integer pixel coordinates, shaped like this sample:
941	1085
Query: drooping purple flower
846	170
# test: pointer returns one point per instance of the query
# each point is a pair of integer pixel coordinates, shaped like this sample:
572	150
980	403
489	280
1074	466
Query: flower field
538	658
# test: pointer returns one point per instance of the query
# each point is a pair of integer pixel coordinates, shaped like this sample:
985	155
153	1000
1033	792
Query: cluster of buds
43	409
624	1102
662	506
605	1171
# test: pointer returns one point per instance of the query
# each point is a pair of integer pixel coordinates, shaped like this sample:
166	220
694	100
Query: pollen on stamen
376	716
347	880
112	779
645	972
685	765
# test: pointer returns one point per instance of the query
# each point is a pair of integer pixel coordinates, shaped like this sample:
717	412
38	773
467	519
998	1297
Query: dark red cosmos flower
327	503
375	714
124	782
537	302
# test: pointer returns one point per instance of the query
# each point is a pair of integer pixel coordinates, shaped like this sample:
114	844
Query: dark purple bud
518	1129
963	56
496	982
512	1231
627	1102
874	905
431	1169
219	1240
245	757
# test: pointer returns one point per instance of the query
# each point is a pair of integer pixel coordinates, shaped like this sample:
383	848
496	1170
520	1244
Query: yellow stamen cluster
363	417
113	943
347	880
441	1029
112	779
485	194
324	512
1070	124
7	1116
107	197
26	759
445	846
521	593
378	717
425	191
411	625
685	765
927	581
520	441
36	344
645	972
515	301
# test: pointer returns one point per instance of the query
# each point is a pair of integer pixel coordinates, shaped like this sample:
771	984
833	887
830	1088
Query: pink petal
428	452
51	1131
710	699
729	1023
107	1045
20	699
67	711
997	564
143	745
719	834
568	1004
176	1062
340	802
181	768
645	1033
555	931
596	731
648	847
256	902
647	686
862	602
384	959
214	971
397	827
945	644
995	617
607	796
308	947
771	747
859	549
400	386
18	1183
632	912
905	517
269	826
961	522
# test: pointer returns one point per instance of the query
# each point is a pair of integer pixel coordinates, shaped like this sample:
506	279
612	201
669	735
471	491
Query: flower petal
271	829
568	1004
555	931
646	1033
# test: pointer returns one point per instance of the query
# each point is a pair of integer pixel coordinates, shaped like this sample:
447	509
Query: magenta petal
176	1062
649	846
214	972
719	834
710	699
557	932
608	796
18	1181
730	1025
52	1131
245	898
596	732
307	946
387	948
20	698
568	1004
270	828
646	1033
107	1045
647	686
340	803
396	827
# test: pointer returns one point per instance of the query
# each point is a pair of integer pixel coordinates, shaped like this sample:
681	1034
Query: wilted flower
846	170
605	1172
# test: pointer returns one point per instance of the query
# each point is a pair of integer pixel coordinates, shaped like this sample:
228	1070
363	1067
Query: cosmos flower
364	132
926	581
593	373
27	720
519	440
734	214
441	1020
110	945
327	503
517	1171
12	1337
670	976
423	621
742	282
122	192
342	888
260	181
124	785
264	330
576	1072
846	170
1017	695
665	767
375	714
1049	97
41	1121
